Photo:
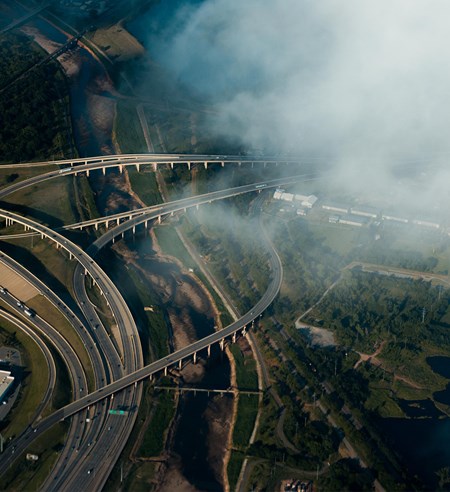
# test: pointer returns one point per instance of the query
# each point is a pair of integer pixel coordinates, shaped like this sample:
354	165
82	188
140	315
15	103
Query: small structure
32	457
333	219
301	211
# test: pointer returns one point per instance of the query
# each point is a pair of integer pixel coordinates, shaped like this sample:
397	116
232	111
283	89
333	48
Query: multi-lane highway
128	347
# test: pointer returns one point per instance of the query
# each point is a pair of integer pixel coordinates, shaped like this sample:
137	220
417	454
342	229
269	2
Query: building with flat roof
6	380
336	207
365	211
426	223
353	220
394	218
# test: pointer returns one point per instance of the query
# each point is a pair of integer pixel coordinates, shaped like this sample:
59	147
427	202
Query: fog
367	83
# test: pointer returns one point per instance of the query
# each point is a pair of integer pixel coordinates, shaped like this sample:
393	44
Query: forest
34	117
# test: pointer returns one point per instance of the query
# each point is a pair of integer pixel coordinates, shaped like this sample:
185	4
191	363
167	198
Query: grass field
245	420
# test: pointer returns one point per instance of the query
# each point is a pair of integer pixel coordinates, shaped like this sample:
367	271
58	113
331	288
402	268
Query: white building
394	218
6	380
364	211
305	201
336	207
426	223
353	220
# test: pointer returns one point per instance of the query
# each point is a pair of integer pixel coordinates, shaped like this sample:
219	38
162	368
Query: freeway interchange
117	365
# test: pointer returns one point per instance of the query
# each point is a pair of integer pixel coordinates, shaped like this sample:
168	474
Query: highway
133	372
40	342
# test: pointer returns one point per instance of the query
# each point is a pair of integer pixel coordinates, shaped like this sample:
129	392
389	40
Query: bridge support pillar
150	377
138	167
223	164
123	235
70	255
87	173
134	229
195	357
222	343
171	165
180	364
209	350
244	331
104	170
117	221
121	168
206	165
159	219
107	224
96	226
155	166
189	165
165	371
234	337
114	239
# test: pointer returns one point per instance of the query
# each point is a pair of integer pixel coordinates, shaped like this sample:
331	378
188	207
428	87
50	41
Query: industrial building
306	201
6	381
353	220
336	207
365	211
394	218
426	223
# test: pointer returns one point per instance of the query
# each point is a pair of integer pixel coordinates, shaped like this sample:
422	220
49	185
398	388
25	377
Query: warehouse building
365	211
394	218
426	223
353	220
336	207
6	381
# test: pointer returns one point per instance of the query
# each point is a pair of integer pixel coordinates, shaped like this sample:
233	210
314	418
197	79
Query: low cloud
366	83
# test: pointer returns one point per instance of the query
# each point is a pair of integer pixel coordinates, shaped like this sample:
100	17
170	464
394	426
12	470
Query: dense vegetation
33	100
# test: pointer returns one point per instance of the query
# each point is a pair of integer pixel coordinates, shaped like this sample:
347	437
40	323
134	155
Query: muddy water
200	428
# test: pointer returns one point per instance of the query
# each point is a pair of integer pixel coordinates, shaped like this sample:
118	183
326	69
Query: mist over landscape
365	83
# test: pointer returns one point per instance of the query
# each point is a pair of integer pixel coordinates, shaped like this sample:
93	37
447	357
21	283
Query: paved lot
16	284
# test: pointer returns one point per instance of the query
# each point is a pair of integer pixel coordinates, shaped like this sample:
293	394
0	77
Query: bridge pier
195	357
114	239
171	165
107	224
155	167
117	221
206	165
104	170
189	165
87	173
222	343
223	164
180	364
159	219
209	350
165	371
121	168
70	256
234	337
138	167
96	226
134	229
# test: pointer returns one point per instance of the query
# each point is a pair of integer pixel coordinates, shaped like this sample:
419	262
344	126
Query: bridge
134	372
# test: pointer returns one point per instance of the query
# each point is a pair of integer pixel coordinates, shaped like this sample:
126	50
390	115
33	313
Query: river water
191	443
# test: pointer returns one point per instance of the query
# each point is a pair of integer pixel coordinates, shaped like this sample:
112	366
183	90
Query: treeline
33	105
